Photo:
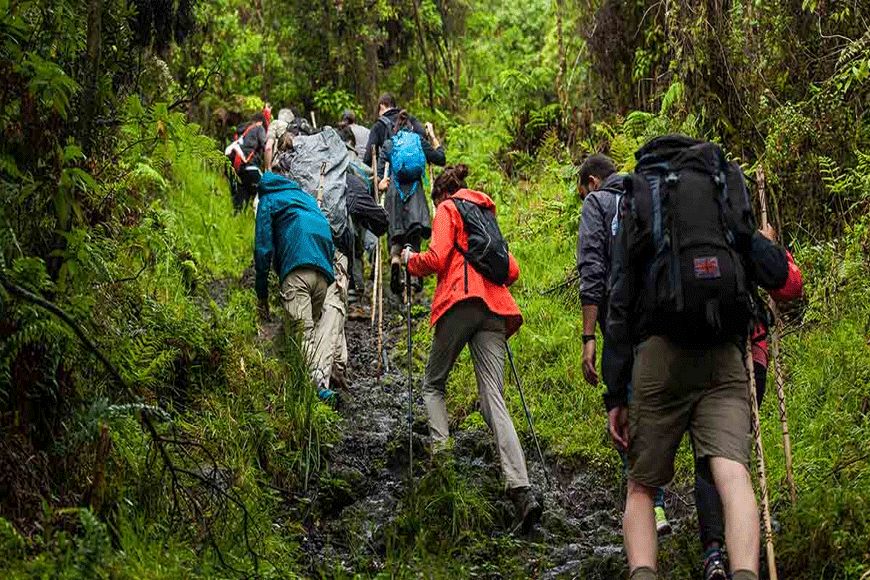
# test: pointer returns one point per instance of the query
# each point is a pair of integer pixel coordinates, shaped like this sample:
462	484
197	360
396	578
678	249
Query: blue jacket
291	231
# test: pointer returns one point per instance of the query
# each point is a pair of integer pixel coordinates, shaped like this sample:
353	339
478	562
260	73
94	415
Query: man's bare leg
639	527
741	513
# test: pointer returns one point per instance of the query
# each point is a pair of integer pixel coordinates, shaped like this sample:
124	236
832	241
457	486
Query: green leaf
72	153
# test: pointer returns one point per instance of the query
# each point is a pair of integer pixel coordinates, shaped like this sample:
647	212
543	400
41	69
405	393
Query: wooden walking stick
380	314
377	265
776	333
759	458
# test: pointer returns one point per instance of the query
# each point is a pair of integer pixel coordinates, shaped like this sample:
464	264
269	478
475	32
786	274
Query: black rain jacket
380	133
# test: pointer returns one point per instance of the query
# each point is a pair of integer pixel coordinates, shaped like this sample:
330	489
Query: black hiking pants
243	186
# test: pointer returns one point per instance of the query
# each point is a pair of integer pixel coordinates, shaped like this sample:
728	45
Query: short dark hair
597	165
348	117
258	118
387	100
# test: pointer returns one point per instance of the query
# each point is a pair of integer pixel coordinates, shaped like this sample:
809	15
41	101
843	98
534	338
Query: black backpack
694	219
487	249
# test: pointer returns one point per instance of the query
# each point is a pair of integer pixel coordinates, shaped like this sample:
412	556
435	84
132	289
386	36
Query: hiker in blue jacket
293	234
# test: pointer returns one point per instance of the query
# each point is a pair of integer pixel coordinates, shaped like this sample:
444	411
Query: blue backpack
407	160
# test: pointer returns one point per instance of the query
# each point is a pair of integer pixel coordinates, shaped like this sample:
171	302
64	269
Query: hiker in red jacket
711	521
468	308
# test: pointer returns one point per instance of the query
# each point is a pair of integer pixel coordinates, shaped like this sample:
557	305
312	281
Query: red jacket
443	259
792	290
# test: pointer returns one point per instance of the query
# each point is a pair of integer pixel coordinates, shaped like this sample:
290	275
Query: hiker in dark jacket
601	188
686	370
369	218
293	234
406	204
382	130
245	154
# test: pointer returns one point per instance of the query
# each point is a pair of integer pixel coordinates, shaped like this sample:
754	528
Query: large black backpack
487	250
693	215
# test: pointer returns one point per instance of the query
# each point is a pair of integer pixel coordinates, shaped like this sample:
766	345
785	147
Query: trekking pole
528	414
410	374
313	121
777	358
759	457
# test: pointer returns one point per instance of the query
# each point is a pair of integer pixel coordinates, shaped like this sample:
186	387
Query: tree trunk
560	78
425	56
89	98
458	76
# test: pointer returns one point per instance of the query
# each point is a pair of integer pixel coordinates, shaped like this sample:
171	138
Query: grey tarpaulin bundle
324	152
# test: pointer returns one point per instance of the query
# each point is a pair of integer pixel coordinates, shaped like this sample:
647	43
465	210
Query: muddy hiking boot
528	509
338	382
714	565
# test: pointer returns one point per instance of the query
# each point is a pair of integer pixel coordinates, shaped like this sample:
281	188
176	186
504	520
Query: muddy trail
351	516
365	487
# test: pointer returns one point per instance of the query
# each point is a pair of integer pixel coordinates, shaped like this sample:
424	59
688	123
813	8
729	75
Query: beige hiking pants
304	292
329	337
470	322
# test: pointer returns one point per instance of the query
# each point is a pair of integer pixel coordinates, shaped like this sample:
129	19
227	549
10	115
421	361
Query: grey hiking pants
471	322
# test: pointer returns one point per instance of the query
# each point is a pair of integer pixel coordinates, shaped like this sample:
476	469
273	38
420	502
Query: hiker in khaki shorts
686	263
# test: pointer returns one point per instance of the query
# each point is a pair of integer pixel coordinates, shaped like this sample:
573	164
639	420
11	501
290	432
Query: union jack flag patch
707	268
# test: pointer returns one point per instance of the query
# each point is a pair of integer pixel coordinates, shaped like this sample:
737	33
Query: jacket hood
477	197
614	183
273	183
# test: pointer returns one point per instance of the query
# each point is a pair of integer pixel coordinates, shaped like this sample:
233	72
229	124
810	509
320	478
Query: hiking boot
397	284
663	526
338	381
528	509
714	565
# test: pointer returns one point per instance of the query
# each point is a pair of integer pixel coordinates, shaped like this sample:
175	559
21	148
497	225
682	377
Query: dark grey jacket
380	133
598	225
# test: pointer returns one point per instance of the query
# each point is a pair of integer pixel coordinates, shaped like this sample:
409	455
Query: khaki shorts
704	391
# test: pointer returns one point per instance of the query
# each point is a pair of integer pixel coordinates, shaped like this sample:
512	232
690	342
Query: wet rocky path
365	481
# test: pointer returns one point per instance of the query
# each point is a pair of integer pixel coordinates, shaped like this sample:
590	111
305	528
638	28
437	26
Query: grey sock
745	575
643	573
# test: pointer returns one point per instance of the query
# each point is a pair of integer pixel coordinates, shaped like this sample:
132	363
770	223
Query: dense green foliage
113	208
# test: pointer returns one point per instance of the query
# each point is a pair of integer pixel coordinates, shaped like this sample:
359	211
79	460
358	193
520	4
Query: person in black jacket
677	387
382	130
406	204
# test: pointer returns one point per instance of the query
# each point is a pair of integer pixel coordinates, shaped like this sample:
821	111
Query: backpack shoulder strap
241	139
462	208
387	122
